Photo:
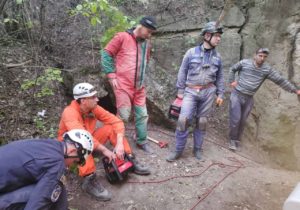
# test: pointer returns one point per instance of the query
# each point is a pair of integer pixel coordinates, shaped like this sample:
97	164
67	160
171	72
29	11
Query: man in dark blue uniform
31	170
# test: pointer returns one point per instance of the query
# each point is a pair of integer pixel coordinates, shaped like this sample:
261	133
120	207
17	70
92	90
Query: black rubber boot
93	187
197	153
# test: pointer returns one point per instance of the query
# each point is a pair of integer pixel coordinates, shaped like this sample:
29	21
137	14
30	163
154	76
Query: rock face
272	128
274	124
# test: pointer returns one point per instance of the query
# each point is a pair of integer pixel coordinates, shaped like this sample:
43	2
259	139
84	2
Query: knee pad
182	123
201	123
124	114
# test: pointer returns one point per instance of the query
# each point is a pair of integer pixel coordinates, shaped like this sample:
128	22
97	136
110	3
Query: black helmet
210	27
149	22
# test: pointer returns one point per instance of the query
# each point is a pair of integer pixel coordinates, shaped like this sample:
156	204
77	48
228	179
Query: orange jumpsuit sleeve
108	118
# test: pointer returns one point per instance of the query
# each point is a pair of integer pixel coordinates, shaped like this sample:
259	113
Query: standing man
83	113
200	78
251	74
124	60
32	170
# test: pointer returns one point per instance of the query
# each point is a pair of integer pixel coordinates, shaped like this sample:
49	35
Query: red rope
218	144
221	165
173	177
210	190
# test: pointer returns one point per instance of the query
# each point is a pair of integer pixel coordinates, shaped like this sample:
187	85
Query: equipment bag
175	108
117	170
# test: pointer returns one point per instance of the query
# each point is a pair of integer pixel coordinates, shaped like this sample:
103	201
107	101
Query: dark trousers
16	200
239	110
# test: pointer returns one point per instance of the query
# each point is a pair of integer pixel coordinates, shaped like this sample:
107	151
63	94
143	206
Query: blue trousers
196	104
16	200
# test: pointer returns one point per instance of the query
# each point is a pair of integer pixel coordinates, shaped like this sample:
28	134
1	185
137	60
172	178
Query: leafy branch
97	11
43	82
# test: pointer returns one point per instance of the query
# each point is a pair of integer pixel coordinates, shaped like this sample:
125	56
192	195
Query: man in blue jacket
31	170
200	78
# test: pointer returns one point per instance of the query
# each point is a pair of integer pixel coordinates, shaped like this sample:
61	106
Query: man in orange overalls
83	113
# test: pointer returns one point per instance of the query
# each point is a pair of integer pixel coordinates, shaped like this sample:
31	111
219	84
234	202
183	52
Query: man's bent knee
124	114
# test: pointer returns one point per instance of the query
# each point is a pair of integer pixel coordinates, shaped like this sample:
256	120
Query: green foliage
43	83
97	11
14	21
19	1
74	169
40	125
10	20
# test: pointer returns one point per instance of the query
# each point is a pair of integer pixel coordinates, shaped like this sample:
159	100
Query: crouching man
31	170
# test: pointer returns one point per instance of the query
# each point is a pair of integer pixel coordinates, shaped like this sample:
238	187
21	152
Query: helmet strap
79	155
209	41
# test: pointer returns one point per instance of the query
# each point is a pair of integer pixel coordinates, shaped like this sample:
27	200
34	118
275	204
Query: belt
201	87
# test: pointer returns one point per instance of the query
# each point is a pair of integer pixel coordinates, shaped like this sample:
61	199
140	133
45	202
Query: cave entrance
107	103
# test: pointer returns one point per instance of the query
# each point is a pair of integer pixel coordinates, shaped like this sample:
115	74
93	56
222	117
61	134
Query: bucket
293	201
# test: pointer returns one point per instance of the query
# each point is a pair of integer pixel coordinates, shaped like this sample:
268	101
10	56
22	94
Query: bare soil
223	180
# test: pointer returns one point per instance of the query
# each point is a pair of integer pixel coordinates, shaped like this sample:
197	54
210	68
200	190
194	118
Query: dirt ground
223	180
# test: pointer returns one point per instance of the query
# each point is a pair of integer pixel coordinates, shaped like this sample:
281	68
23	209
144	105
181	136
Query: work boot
197	153
93	187
139	168
232	145
146	148
173	156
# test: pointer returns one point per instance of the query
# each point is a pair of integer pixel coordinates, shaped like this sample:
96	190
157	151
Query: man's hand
111	156
219	101
233	84
106	152
298	92
119	150
113	83
180	96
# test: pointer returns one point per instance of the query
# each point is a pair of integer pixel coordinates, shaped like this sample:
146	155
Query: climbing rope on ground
238	165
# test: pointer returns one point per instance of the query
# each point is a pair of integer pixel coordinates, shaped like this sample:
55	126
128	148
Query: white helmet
83	90
82	140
